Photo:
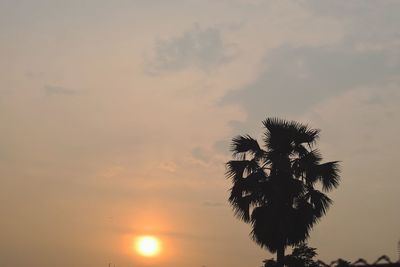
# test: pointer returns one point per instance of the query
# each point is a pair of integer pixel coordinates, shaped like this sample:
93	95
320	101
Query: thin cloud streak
52	90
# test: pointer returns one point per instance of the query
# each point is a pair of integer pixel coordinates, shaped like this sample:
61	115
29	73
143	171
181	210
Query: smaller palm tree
275	185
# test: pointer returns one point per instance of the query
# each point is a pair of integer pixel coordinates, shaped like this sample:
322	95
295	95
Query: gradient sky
116	118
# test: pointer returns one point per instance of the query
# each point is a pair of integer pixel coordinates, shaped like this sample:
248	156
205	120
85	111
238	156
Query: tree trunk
280	256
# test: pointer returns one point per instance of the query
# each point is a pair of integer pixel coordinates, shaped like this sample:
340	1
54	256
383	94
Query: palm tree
275	186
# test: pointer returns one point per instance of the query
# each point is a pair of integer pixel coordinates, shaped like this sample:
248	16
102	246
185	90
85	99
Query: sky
116	119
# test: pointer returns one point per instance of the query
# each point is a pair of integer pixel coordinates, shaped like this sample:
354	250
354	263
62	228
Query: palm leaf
328	174
241	206
267	231
237	169
246	144
304	166
319	200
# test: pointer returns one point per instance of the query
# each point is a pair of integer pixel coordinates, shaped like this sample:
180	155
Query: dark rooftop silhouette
383	261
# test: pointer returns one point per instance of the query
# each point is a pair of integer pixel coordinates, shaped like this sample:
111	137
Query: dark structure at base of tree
303	256
275	185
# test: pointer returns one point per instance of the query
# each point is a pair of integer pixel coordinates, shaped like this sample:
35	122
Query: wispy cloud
168	166
200	154
197	47
51	90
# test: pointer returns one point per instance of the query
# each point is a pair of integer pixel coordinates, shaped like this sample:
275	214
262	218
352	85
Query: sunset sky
116	118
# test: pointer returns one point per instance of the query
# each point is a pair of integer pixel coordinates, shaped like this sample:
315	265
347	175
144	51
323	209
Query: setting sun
148	246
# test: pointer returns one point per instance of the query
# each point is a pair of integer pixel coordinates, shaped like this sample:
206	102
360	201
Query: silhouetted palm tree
274	186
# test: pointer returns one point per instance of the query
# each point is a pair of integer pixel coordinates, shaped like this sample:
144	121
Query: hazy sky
116	118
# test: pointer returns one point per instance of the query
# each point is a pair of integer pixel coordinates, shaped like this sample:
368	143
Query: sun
148	246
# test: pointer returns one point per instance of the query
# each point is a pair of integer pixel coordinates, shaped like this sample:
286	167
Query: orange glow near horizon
148	246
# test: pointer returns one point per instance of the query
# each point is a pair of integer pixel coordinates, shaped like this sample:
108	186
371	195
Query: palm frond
241	207
253	182
252	167
304	216
307	135
237	169
312	157
278	136
246	144
303	166
295	188
299	133
329	175
241	198
319	200
246	192
267	232
285	136
300	150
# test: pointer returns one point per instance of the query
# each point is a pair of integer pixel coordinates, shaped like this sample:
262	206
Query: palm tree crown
275	185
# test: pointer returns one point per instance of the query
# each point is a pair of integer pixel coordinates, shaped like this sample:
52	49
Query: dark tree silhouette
275	186
302	256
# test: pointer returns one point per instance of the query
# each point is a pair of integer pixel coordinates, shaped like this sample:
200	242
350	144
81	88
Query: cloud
222	146
200	154
34	74
294	79
370	25
168	166
51	90
304	76
369	131
197	47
